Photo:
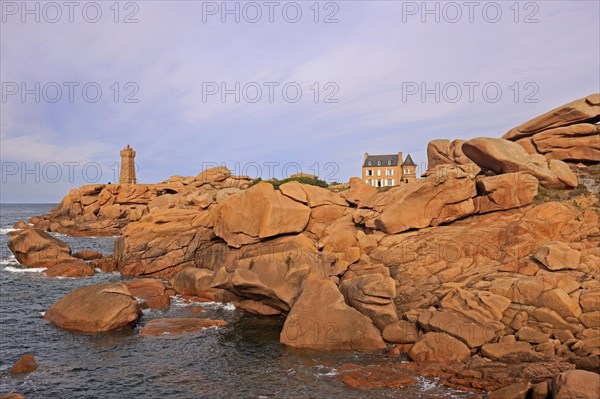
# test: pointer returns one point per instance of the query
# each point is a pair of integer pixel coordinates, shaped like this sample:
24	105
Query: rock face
35	248
359	192
26	364
576	384
95	308
320	319
179	326
275	214
507	191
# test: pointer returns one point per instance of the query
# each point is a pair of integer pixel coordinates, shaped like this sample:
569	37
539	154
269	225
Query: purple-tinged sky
188	86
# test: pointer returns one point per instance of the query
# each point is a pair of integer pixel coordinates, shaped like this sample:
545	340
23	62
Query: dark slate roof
384	159
408	161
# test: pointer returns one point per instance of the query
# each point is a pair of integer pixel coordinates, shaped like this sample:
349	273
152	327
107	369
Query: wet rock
374	377
87	254
26	364
179	326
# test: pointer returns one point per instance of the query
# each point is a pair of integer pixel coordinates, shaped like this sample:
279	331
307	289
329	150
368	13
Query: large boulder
320	319
35	248
503	156
578	384
438	347
257	213
584	110
95	308
501	192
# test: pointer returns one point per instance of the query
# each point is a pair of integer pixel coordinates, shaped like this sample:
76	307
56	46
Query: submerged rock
26	364
179	326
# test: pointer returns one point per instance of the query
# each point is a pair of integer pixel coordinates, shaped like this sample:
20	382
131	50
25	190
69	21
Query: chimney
366	155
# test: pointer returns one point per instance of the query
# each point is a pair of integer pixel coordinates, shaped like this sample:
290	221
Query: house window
379	163
379	183
379	172
389	172
370	181
406	171
390	182
370	172
389	162
369	163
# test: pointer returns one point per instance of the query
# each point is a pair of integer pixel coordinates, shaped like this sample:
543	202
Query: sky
272	88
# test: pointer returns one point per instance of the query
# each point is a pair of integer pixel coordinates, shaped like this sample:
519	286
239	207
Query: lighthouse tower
127	166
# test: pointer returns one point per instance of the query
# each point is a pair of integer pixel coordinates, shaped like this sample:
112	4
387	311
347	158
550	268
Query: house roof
381	160
408	161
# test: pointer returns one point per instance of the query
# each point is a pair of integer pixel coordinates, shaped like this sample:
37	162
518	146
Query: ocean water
242	360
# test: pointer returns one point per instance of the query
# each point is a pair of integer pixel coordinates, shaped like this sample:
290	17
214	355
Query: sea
242	360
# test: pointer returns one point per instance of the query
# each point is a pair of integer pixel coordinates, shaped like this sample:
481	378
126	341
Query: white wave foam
11	260
226	306
7	230
24	270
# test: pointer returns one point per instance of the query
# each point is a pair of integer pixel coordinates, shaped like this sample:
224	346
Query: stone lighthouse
127	166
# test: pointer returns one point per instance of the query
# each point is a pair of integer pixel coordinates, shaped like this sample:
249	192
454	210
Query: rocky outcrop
502	156
443	152
75	268
566	133
320	319
107	209
192	281
557	255
95	308
584	110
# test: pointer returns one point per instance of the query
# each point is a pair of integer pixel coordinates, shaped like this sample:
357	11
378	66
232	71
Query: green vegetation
304	180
